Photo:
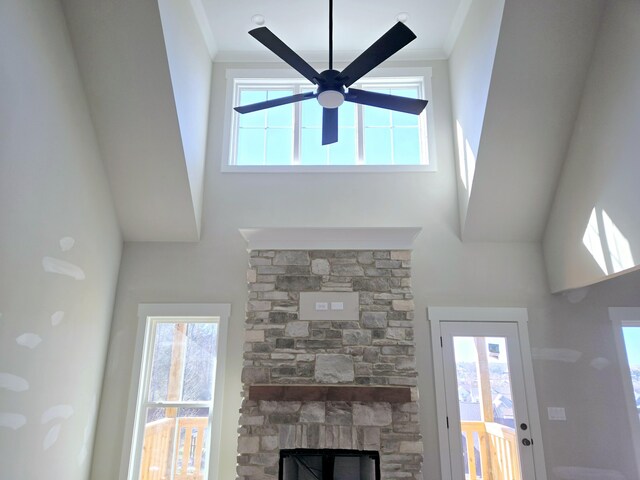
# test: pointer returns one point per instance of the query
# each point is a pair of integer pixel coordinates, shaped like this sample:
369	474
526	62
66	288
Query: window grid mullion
297	128
360	130
360	154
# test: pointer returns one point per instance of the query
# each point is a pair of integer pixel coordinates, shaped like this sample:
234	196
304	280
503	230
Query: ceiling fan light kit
333	86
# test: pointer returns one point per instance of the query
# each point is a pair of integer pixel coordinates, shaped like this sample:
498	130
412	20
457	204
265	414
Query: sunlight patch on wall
606	243
466	159
618	246
591	240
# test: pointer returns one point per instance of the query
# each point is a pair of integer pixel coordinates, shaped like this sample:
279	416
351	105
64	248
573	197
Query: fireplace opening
329	464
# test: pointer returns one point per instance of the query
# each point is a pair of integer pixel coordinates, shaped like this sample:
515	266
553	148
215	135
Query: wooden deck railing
186	456
498	451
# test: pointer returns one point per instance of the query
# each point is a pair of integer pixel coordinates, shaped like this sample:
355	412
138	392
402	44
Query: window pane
253	119
161	364
377	146
311	113
279	146
347	115
183	362
312	152
376	117
344	152
281	116
250	146
406	146
401	119
161	453
200	361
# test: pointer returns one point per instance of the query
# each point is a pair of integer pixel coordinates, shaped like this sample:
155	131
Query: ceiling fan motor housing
330	89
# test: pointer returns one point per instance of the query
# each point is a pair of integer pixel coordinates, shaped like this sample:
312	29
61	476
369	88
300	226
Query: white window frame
147	312
379	75
517	315
627	317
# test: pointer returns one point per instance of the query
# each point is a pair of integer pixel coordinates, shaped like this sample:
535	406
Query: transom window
289	137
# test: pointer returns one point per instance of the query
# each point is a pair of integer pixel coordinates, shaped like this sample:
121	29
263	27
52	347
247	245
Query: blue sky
632	343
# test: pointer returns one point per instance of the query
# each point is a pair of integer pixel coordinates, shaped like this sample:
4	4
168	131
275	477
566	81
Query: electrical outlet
322	306
337	305
556	413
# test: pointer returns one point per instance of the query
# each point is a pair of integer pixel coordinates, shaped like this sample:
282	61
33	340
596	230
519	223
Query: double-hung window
175	410
289	137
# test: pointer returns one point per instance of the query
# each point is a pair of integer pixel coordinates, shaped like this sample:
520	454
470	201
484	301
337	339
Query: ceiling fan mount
333	86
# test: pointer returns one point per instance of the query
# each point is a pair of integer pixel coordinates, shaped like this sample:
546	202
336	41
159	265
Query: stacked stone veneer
377	349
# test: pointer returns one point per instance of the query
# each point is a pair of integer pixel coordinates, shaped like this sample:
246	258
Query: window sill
327	169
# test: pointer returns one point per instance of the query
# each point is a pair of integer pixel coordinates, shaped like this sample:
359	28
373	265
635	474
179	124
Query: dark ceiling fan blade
277	46
329	125
395	39
254	107
382	100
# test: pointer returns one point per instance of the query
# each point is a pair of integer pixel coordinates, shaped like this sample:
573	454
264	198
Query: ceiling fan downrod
330	34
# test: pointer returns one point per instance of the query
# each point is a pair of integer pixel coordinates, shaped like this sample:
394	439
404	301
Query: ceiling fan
333	86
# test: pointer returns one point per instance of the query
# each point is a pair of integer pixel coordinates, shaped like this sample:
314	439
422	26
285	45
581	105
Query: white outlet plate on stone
329	306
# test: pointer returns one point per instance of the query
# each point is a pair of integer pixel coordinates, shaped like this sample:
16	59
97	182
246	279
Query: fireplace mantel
358	238
331	393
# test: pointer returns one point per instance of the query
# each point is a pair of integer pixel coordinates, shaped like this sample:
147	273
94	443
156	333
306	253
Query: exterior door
489	431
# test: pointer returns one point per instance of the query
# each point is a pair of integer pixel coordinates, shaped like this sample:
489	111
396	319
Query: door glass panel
485	399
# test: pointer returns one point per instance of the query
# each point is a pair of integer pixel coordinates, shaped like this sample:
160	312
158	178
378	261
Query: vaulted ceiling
136	77
357	24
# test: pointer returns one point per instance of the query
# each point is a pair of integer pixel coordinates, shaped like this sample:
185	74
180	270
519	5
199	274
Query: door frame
627	317
519	316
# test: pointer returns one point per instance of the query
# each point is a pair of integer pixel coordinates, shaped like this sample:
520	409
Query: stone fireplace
322	381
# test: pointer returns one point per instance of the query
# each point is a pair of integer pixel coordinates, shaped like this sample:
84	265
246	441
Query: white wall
55	207
190	66
601	170
595	441
470	68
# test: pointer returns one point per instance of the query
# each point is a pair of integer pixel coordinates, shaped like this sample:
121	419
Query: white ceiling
303	25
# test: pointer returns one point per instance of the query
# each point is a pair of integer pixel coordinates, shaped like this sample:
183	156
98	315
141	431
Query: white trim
621	317
327	169
200	12
421	75
320	58
456	26
312	238
518	315
478	314
222	311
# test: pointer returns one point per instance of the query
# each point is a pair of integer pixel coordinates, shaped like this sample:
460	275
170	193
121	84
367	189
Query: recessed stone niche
375	352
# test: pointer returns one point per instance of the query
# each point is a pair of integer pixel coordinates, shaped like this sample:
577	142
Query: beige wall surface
593	231
60	251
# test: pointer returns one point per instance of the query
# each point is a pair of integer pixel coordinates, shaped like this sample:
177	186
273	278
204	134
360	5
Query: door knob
526	442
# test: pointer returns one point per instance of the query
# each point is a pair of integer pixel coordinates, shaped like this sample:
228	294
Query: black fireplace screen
327	464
